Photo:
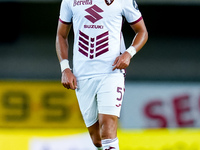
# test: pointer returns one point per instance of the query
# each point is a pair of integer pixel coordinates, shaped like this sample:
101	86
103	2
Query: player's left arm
141	37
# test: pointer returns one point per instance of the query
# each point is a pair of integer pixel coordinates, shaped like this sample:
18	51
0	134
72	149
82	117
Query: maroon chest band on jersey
93	47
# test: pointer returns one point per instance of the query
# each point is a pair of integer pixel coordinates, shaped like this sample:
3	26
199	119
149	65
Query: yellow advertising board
38	104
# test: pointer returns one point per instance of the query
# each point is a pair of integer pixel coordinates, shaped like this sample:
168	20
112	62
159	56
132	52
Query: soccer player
98	63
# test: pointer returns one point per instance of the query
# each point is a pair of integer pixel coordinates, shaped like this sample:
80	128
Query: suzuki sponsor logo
94	13
82	2
93	47
93	26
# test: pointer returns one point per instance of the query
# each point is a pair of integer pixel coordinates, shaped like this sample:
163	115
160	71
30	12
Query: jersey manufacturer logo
94	13
82	2
119	105
93	47
109	2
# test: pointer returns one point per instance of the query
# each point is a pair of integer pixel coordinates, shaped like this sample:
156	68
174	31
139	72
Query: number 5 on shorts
119	90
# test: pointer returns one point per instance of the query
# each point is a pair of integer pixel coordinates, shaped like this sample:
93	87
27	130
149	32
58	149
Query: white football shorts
100	95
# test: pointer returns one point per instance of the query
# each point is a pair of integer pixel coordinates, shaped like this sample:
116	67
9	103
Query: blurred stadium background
161	110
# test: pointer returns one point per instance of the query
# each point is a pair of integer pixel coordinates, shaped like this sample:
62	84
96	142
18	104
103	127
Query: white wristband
64	64
131	50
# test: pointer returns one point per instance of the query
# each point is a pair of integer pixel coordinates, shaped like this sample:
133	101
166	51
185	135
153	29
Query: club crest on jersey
82	2
109	2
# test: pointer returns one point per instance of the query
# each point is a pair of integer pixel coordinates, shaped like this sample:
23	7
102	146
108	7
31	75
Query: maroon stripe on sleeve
132	23
64	22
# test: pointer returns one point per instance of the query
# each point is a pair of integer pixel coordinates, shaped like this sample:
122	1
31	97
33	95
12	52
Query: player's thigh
86	95
110	95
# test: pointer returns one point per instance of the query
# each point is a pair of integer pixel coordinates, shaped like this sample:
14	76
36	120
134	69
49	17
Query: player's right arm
68	79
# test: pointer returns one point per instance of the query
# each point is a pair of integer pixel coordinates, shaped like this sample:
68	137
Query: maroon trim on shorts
132	23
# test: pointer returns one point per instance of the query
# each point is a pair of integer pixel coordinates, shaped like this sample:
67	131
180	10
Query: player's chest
94	10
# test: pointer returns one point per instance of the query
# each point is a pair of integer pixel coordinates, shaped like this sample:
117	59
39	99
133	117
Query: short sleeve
130	11
65	12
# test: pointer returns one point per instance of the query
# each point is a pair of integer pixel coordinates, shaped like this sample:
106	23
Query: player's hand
122	61
69	80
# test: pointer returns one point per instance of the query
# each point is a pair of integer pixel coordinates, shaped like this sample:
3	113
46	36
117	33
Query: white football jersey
97	28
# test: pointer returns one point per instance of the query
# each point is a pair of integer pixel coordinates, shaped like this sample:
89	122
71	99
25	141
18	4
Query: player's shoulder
128	2
67	1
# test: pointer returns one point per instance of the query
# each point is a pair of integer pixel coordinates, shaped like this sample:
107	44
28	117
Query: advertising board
159	105
38	104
